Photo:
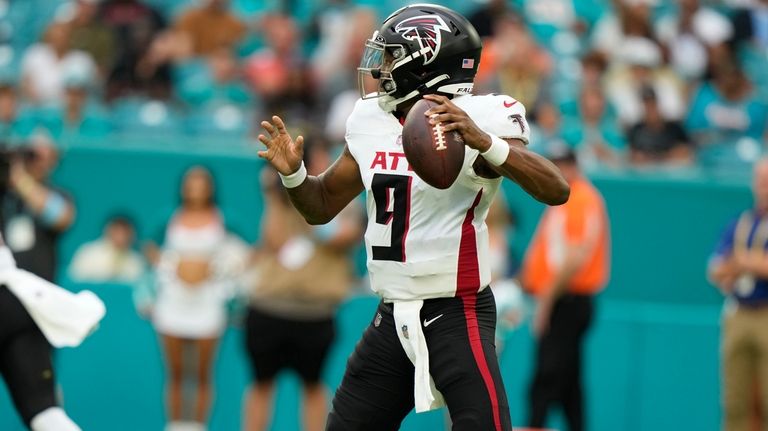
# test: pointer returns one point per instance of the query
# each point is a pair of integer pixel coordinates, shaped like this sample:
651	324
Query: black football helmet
420	49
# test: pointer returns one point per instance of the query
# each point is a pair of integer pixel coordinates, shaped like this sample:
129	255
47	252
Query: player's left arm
507	157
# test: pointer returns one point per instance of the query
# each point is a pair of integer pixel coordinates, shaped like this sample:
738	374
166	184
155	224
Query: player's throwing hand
282	151
454	118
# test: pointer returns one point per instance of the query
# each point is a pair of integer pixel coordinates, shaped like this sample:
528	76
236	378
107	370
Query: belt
752	305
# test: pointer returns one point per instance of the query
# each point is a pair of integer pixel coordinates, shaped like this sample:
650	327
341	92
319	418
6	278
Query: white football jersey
423	242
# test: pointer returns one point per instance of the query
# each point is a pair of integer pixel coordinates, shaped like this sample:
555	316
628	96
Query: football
435	155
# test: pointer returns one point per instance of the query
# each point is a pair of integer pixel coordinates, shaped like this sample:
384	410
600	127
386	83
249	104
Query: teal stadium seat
137	116
223	121
195	86
26	124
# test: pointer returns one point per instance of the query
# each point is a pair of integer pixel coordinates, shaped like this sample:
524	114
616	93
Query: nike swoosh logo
509	105
429	322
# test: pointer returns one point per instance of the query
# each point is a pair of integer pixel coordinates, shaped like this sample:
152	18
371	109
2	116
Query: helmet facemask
377	61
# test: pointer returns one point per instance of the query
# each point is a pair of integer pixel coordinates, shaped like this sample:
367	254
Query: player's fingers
445	106
269	128
443	101
299	143
451	107
436	98
279	123
449	127
440	103
264	140
263	154
444	118
437	109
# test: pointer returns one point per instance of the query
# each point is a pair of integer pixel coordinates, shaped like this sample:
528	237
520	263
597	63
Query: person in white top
47	66
431	340
109	258
196	270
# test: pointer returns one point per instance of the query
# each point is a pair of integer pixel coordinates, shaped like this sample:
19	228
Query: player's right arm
318	198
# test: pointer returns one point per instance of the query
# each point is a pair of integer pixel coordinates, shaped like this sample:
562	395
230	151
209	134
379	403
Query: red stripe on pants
467	285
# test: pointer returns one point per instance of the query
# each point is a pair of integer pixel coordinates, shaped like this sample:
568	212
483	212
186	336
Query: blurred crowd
627	83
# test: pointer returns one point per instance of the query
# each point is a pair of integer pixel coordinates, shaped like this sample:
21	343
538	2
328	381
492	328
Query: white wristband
498	152
295	179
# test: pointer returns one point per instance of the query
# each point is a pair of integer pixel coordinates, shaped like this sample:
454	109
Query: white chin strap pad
53	419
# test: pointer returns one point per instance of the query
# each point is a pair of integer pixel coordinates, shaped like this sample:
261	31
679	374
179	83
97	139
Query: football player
431	341
34	316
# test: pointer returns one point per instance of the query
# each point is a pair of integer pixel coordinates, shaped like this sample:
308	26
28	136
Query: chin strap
389	103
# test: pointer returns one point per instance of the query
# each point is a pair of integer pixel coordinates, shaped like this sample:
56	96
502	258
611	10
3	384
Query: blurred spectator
726	118
552	15
342	33
305	272
111	257
513	63
211	26
546	129
34	213
196	269
91	35
341	107
153	71
567	264
655	140
278	73
484	17
47	65
227	81
12	128
214	78
639	65
329	29
594	133
738	267
691	34
631	19
593	67
135	25
80	113
751	24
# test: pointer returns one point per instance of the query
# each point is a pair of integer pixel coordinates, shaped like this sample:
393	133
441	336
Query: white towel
65	318
408	324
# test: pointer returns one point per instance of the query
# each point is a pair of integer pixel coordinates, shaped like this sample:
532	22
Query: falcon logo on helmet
419	49
424	29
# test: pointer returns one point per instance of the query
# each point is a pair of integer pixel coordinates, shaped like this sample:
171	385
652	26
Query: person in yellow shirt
566	265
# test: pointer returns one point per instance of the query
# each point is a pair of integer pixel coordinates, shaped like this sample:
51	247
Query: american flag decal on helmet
468	63
426	29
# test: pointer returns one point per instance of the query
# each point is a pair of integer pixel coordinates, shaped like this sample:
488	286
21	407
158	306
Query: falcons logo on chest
426	30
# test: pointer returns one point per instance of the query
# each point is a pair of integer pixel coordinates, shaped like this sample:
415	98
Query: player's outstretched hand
282	151
454	118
